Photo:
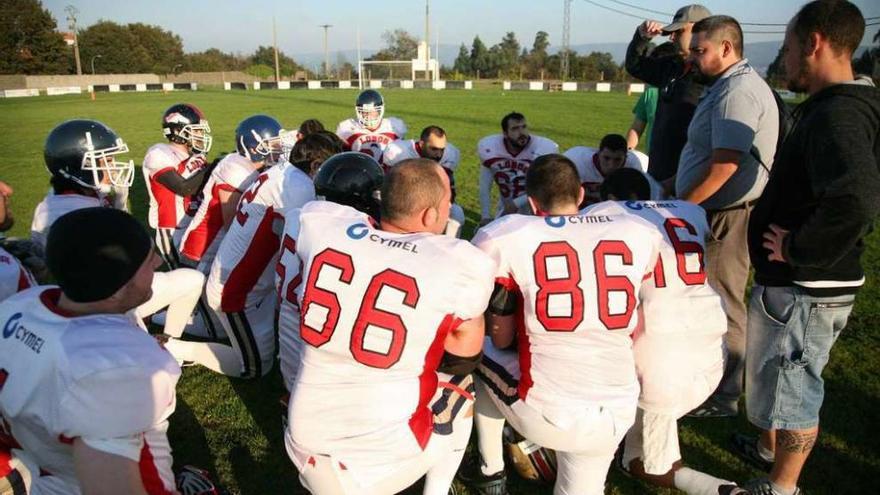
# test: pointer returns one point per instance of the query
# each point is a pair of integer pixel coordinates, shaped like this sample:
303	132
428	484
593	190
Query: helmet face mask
370	108
185	124
105	169
88	154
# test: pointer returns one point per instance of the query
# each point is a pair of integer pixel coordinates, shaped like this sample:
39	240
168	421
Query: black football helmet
370	107
186	124
353	179
260	138
84	152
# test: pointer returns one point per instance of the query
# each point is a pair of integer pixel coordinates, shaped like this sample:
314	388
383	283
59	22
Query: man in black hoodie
806	237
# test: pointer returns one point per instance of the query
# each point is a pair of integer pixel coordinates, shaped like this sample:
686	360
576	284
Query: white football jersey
586	160
13	277
167	209
202	236
243	272
579	278
509	169
405	149
377	307
54	206
99	378
371	142
679	279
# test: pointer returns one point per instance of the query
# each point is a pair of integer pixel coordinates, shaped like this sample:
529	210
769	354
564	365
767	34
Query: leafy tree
537	57
213	60
507	55
29	43
480	57
462	61
119	49
261	71
399	45
265	55
776	71
165	48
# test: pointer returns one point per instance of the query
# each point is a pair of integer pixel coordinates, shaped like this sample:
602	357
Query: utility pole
427	38
275	45
326	53
566	38
71	23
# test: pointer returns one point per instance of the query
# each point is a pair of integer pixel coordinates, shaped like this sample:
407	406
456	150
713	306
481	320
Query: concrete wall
211	78
43	82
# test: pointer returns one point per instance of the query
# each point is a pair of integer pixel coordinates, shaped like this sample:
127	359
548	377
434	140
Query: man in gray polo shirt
723	168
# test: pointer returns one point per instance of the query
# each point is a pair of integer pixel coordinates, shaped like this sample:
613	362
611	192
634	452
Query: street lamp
93	63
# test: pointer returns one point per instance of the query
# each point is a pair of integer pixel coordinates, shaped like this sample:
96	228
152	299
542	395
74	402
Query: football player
679	355
594	165
432	144
175	172
506	158
14	277
558	365
383	304
258	144
241	285
87	394
84	160
370	132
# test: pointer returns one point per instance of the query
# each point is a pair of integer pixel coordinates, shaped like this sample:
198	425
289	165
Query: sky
239	27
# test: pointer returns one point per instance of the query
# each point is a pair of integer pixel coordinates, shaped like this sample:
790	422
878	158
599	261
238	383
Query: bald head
411	187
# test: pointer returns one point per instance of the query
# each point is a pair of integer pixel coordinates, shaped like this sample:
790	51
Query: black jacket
676	103
825	188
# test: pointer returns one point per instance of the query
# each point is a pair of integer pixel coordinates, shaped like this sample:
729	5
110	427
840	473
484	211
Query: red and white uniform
405	149
168	209
242	278
99	378
54	206
586	160
13	276
571	384
371	142
202	236
507	169
377	307
679	349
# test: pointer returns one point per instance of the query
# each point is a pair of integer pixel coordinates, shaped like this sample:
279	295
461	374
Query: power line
612	9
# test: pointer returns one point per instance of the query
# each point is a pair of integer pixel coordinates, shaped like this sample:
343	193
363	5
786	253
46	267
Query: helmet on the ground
258	138
370	108
84	152
353	179
186	124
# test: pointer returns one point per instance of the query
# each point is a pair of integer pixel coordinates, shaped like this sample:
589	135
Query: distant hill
760	54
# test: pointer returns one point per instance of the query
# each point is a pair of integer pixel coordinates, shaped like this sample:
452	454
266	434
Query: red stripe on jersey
200	237
243	277
421	423
508	283
149	474
525	352
390	135
351	139
165	200
492	161
24	282
50	298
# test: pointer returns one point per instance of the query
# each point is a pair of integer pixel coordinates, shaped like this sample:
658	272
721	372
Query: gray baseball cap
688	13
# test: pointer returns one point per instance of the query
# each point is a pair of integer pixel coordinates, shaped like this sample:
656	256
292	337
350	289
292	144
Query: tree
536	60
869	62
479	57
213	60
776	71
462	61
29	43
399	45
119	49
507	55
265	55
164	47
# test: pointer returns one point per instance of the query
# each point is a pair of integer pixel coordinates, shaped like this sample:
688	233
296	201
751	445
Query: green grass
232	427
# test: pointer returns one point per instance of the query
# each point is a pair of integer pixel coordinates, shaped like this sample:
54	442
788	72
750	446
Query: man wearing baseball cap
679	93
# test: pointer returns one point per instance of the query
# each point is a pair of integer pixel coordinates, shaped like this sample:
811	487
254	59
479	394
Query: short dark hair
613	142
511	116
313	147
310	126
625	184
839	21
411	185
432	130
553	181
720	27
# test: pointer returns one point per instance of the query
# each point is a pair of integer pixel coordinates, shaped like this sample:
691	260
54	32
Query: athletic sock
490	427
697	483
782	491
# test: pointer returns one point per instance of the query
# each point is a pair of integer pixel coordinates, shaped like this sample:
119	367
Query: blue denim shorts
789	338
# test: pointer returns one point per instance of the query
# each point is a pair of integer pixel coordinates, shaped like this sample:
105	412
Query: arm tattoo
796	442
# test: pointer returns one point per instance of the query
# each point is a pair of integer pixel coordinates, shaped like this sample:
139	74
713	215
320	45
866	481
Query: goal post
369	70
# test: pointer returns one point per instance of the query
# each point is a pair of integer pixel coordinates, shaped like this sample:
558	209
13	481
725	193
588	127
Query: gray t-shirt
737	112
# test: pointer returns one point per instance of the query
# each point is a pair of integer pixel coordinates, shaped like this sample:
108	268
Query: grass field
232	427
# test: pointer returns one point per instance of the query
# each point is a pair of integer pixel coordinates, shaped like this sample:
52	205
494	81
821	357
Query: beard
796	81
